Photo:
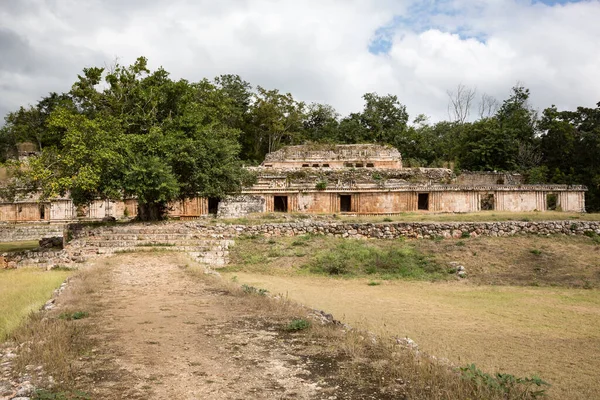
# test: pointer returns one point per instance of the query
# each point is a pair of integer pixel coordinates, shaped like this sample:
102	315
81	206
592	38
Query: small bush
374	283
75	315
301	240
512	387
387	219
465	235
252	290
460	243
297	325
536	252
321	185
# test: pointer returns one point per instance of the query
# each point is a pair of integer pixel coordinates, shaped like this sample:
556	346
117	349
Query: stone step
146	236
150	243
187	249
148	230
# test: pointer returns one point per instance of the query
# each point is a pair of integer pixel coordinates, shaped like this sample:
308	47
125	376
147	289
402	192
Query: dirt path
163	334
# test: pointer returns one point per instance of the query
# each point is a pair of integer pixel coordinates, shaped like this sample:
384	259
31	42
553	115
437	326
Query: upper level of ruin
335	156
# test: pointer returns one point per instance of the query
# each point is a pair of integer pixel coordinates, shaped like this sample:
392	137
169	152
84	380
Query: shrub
321	185
512	387
252	290
465	235
354	257
535	252
297	325
75	315
387	219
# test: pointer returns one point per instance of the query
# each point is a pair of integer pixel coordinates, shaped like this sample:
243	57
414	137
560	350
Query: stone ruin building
360	179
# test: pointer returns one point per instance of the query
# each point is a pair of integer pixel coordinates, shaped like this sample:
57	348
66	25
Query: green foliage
465	235
321	185
133	131
509	385
536	252
373	283
42	394
254	291
74	316
140	134
297	325
351	258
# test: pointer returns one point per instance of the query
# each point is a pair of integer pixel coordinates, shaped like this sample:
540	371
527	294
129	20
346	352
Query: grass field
23	291
18	246
552	332
256	219
530	305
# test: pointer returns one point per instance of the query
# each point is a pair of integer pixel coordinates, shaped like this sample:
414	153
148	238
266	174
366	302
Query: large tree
132	132
570	145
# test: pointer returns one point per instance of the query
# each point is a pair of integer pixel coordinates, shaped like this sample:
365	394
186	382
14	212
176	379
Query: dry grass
56	343
378	363
552	332
6	247
23	291
549	313
523	260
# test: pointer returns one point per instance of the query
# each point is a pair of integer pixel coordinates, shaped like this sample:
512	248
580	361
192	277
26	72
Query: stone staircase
108	240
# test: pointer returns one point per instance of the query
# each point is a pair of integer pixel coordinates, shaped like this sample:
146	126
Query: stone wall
236	206
489	178
389	230
20	232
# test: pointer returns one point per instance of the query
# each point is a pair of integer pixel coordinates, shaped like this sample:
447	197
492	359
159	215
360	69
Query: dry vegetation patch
23	291
153	326
572	261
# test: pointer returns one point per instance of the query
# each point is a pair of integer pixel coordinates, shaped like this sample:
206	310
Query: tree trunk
152	211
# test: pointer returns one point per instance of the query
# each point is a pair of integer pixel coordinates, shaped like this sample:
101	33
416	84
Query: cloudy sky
330	51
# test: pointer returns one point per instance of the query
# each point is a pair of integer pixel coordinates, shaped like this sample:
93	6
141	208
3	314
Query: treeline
130	130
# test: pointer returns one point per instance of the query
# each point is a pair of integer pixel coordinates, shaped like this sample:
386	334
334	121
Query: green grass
23	291
297	325
358	258
322	255
18	246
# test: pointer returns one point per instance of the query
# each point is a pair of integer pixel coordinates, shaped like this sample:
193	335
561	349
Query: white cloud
317	50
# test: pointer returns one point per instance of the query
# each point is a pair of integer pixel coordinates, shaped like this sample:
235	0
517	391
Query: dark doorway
213	205
345	203
280	203
423	203
551	201
42	212
487	202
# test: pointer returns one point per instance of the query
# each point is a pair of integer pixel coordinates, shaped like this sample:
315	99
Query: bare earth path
163	334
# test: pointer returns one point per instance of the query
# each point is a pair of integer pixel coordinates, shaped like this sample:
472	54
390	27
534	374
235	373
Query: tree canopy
128	131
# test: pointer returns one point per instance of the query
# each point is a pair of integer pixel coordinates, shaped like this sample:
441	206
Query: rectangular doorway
345	203
423	201
280	203
486	202
551	201
213	205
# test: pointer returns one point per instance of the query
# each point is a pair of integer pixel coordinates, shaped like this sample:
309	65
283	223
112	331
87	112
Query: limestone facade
331	179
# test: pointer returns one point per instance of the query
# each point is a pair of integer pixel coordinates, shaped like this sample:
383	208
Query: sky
327	51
